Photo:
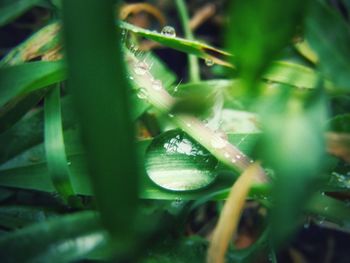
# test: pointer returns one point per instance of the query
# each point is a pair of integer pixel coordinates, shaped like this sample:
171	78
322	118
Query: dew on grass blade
209	62
168	31
141	68
176	162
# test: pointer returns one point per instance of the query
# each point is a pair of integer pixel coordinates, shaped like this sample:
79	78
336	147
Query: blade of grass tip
55	149
194	71
230	215
98	82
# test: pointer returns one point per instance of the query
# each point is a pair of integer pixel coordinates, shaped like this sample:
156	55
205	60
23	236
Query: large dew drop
168	31
176	162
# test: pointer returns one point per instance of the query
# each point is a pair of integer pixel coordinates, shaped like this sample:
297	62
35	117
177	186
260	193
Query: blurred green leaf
254	37
100	90
10	9
294	147
329	35
12	217
22	79
62	239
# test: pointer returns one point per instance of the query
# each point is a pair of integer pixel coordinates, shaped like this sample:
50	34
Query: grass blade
100	89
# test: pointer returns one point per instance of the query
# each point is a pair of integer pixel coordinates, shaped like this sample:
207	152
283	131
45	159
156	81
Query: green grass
79	136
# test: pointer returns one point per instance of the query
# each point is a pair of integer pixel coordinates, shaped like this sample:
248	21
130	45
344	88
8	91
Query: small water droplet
168	31
69	163
188	124
141	68
320	220
176	162
156	84
238	156
251	161
227	155
326	208
233	160
322	193
142	94
217	142
131	77
171	115
209	62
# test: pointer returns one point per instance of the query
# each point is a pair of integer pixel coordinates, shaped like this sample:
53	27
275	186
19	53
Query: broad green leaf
22	79
254	37
329	35
54	145
23	173
61	239
100	91
10	9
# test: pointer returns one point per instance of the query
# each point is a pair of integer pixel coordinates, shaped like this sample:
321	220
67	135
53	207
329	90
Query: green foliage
78	146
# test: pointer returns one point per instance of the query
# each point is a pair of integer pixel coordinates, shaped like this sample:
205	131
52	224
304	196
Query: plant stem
194	73
158	97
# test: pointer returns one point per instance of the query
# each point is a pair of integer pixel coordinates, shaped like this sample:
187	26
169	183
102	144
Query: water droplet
141	68
217	142
251	161
171	115
233	160
131	77
69	163
156	84
142	94
188	124
320	220
238	156
176	162
168	31
227	155
209	62
326	208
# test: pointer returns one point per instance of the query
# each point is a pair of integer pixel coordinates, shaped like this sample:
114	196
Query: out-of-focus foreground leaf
294	147
329	35
97	79
258	30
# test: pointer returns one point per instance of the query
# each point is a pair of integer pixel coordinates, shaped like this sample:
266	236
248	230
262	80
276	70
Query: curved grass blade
61	239
11	9
188	46
54	145
44	41
22	79
100	90
17	107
